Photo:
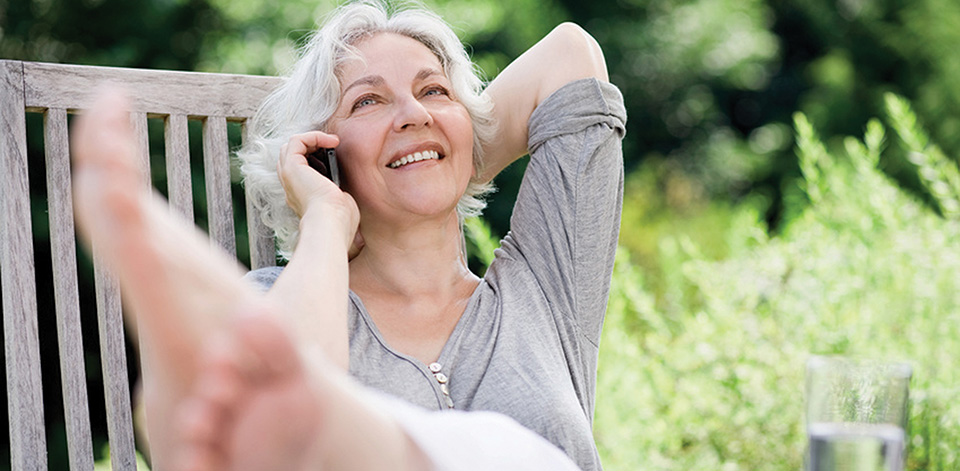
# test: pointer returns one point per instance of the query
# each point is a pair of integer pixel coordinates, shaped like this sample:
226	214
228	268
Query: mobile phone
325	162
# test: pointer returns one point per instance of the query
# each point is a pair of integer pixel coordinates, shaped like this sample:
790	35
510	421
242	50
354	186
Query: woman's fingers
306	188
299	145
302	183
294	152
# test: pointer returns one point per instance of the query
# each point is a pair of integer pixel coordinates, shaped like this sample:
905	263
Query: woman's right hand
310	193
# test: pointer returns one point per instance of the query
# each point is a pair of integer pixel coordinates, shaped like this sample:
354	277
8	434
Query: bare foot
261	405
153	251
249	402
175	286
255	407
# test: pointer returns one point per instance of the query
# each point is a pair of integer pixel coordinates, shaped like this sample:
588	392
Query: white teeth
415	157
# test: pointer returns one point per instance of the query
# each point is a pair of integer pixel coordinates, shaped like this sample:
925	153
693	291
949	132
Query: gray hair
310	94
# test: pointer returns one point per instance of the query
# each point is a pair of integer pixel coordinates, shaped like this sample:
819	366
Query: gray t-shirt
527	343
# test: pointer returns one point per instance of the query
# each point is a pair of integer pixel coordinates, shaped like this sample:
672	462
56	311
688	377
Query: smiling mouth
415	157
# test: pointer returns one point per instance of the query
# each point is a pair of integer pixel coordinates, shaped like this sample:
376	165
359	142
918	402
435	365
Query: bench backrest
55	91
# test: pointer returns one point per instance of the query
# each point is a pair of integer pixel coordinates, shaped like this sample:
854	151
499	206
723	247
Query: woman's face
406	142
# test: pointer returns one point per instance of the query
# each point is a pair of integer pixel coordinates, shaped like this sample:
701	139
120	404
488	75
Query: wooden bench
55	91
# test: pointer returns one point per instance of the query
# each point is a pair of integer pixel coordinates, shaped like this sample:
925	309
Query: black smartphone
325	162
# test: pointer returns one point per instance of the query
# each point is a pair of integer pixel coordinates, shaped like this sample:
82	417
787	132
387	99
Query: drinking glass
856	414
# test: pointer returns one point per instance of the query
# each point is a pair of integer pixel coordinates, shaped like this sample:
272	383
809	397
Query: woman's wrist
331	222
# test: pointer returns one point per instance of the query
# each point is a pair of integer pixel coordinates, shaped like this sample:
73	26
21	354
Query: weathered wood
21	343
216	169
159	92
61	89
263	251
179	184
66	292
138	124
113	359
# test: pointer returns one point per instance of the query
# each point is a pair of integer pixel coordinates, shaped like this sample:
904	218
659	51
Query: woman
522	341
396	96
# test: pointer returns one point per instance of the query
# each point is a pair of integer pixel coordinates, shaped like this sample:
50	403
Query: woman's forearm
313	288
311	292
566	54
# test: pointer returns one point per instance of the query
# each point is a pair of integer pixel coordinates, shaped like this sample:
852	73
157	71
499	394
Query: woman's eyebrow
376	80
427	72
372	80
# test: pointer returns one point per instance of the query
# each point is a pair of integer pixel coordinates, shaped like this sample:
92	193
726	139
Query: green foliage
689	71
713	378
712	84
938	174
480	240
104	464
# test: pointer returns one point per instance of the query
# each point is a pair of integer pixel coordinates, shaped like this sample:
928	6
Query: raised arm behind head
566	54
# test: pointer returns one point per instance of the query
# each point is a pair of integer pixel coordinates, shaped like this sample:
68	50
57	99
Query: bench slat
152	91
138	124
216	169
66	292
263	252
28	449
179	185
113	359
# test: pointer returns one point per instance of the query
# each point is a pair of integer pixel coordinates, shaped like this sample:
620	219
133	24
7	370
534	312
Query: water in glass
855	447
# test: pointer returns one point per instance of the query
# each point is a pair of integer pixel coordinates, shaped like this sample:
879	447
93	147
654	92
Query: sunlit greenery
703	368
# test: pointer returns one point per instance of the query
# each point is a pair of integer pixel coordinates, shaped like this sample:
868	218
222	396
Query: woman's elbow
581	53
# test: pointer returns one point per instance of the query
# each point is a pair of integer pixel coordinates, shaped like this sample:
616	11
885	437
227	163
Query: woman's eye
435	91
364	101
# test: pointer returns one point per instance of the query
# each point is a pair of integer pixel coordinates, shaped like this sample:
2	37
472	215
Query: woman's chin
426	200
406	210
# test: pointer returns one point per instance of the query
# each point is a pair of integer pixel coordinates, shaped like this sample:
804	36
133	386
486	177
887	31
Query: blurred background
744	248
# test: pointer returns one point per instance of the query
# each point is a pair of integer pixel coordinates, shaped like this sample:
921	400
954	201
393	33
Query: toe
199	422
193	458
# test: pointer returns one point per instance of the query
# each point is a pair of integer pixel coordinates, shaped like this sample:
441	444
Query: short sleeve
567	216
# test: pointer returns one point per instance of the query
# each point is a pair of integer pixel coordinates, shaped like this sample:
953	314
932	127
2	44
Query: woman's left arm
566	54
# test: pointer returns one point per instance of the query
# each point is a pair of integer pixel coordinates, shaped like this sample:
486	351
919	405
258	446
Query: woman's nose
411	114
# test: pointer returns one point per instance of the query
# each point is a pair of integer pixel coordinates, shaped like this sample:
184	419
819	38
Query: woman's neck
417	260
